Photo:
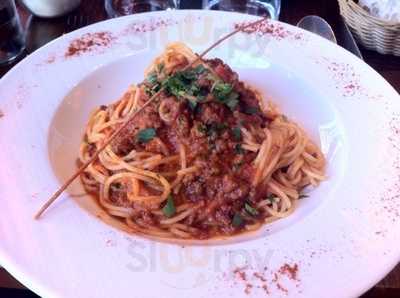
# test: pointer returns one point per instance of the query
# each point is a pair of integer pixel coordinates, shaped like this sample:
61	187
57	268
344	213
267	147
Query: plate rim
8	264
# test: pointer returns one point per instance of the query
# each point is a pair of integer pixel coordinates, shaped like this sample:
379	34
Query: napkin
385	9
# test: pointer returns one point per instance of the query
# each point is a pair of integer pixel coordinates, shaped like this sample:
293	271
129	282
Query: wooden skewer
125	124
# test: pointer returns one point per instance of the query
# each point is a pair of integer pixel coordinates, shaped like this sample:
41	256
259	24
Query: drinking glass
270	8
12	37
117	8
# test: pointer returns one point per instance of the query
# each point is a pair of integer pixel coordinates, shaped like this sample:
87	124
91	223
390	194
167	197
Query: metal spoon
317	25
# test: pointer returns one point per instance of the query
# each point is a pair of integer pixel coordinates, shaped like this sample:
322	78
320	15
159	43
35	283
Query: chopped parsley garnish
213	79
214	129
220	126
148	91
202	128
199	69
152	78
271	198
239	149
232	101
252	110
153	85
160	67
169	208
251	210
223	92
237	220
237	134
192	104
193	73
175	85
146	135
199	110
302	196
189	74
183	85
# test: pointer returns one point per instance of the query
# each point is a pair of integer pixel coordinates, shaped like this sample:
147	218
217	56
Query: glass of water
269	8
117	8
12	37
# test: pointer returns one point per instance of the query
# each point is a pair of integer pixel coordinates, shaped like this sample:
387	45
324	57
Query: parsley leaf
183	85
148	91
224	93
237	134
152	78
212	78
220	126
215	128
232	101
175	85
237	220
252	110
146	135
193	73
189	74
202	128
251	210
239	149
192	104
221	91
199	69
169	208
271	198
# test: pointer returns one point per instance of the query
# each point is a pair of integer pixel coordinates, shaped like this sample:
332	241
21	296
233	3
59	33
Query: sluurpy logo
198	33
186	267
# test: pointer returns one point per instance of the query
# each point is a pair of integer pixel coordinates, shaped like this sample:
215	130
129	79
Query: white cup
51	8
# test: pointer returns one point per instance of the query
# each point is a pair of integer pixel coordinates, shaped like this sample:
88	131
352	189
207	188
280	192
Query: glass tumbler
117	8
12	37
269	8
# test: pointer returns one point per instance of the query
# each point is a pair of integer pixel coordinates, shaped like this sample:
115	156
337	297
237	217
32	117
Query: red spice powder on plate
89	42
344	76
280	279
50	59
241	273
281	288
275	30
248	288
289	271
265	288
148	26
259	276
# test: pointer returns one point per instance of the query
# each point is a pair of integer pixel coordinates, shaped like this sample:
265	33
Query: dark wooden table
41	31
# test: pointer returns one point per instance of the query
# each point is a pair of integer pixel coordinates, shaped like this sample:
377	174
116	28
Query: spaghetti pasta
206	159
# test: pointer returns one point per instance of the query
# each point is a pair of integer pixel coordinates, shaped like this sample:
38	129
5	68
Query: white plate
344	238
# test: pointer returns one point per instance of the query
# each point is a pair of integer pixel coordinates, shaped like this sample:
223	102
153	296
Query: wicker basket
373	33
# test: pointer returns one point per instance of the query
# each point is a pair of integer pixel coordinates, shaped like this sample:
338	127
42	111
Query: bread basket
372	32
